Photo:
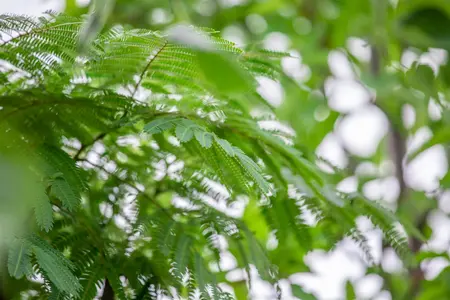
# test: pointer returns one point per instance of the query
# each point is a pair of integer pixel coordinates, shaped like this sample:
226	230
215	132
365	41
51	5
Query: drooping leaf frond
151	214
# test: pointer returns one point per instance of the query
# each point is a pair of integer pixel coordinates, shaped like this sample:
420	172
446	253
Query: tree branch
108	292
398	151
141	76
84	146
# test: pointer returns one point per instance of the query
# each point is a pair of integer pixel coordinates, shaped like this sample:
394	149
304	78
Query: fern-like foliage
138	152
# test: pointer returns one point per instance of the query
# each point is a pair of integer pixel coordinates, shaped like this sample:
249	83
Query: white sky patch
339	65
366	169
236	275
368	286
261	290
433	267
277	125
408	58
277	41
106	209
205	7
359	48
440	237
329	271
362	131
161	16
188	35
391	263
425	171
294	67
227	261
434	110
415	141
270	90
444	202
408	116
348	185
128	140
345	95
234	34
383	189
83	3
30	7
231	3
331	150
434	58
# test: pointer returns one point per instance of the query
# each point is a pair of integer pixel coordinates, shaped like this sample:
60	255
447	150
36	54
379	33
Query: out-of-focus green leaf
223	72
421	77
423	255
349	291
433	22
298	292
98	15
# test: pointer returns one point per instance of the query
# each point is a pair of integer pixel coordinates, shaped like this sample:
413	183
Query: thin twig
129	184
84	146
108	292
141	76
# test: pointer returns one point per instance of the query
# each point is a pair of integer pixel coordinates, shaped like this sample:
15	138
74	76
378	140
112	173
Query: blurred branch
98	15
397	151
416	274
108	292
85	146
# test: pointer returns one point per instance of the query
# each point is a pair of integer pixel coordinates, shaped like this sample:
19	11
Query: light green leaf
58	273
183	254
223	72
204	138
62	191
226	146
298	292
185	130
253	170
19	261
43	211
98	14
161	124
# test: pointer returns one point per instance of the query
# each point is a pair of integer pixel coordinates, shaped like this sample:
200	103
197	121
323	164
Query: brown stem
416	274
141	76
84	146
398	151
108	292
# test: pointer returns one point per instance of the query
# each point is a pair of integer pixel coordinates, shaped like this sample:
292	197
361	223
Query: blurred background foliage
313	31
